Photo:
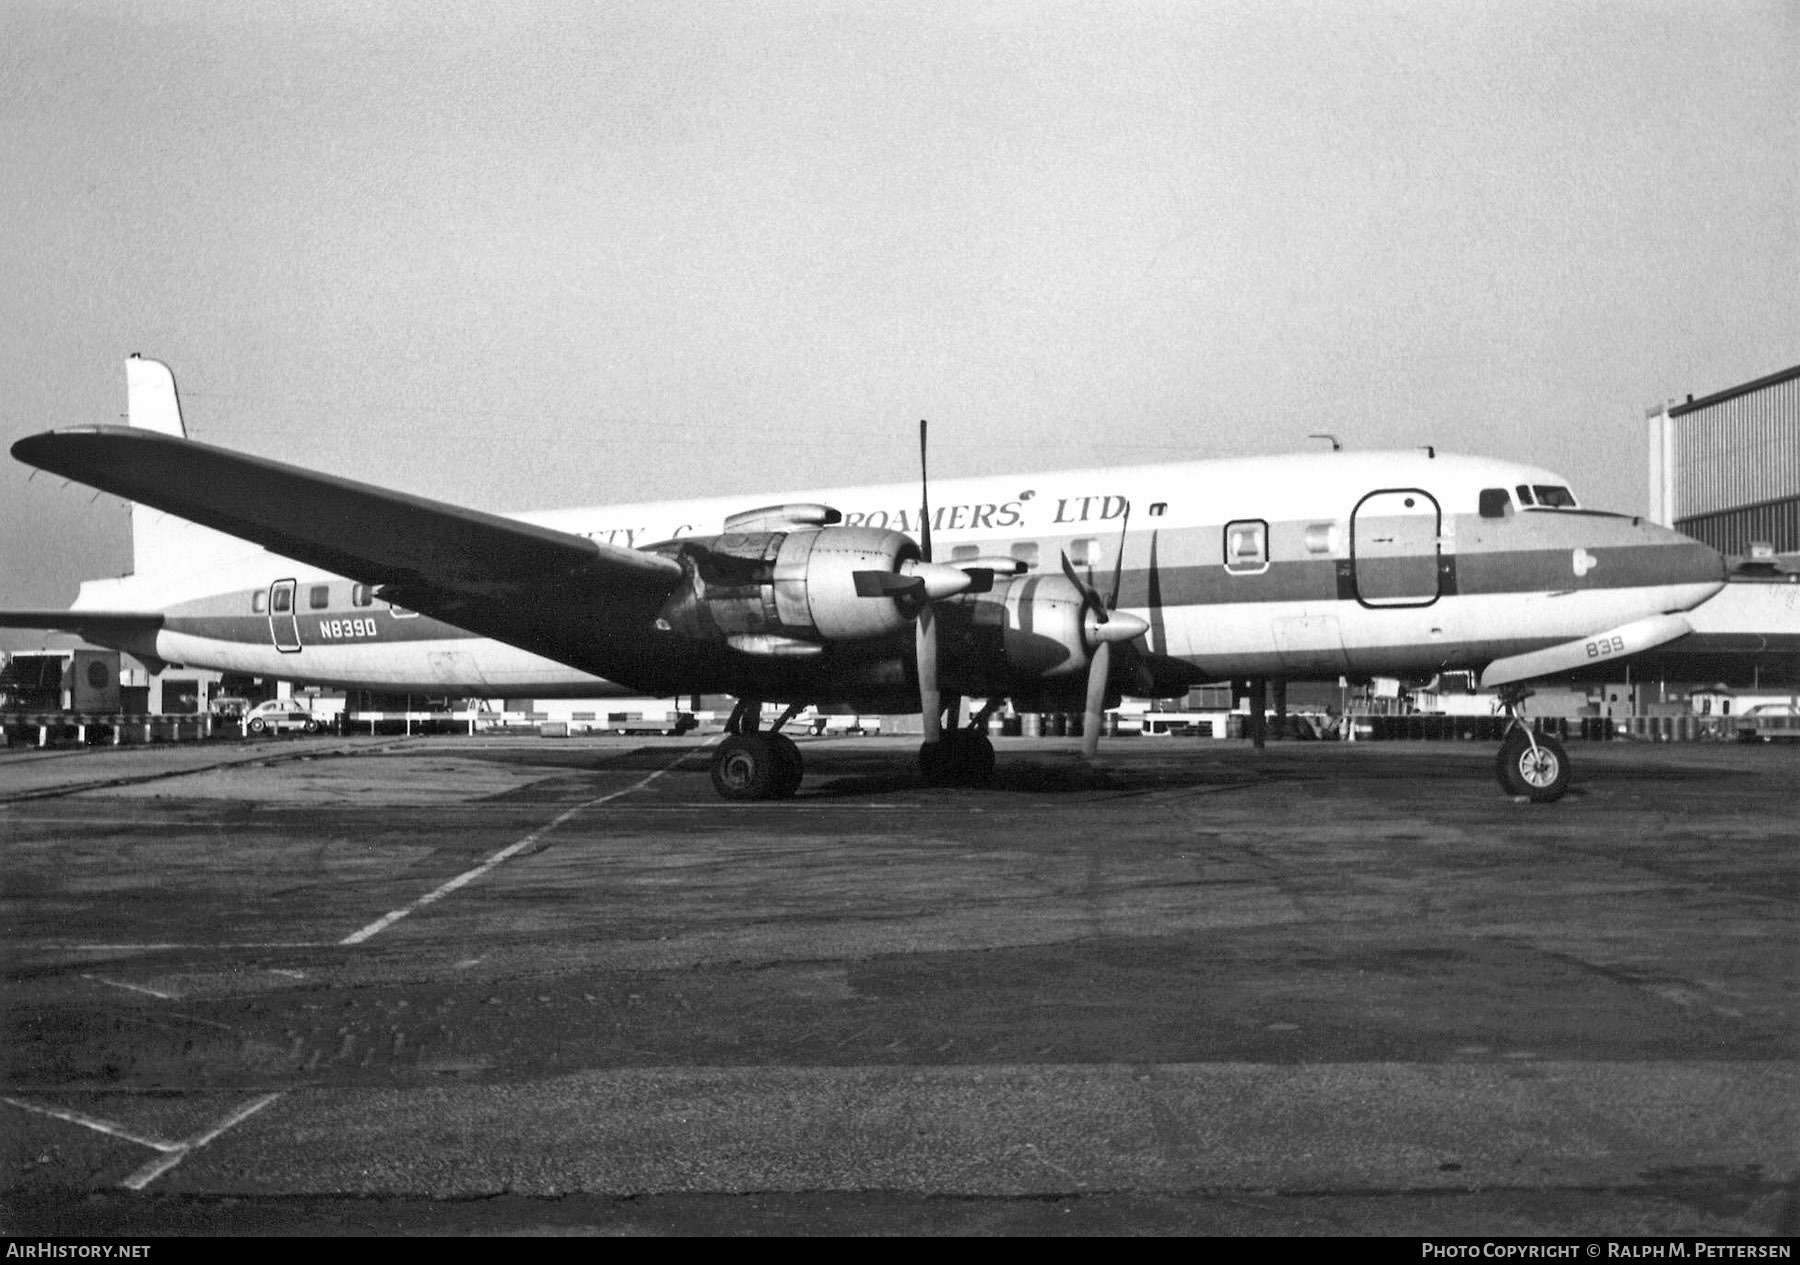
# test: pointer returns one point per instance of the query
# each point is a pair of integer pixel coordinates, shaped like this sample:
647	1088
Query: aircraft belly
1327	640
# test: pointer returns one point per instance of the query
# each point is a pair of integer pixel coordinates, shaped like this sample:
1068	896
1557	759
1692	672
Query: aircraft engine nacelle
789	593
1028	632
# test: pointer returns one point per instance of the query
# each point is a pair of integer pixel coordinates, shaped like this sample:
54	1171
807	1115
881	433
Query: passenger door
284	625
1394	547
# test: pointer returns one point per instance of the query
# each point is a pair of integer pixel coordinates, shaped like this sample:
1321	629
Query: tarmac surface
497	986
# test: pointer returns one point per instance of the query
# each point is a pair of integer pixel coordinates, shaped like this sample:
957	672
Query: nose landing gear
1529	766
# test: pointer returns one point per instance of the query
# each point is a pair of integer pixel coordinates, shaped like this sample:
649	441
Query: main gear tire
961	757
790	766
746	767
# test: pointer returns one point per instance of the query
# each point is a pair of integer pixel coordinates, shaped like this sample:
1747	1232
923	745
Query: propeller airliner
1056	591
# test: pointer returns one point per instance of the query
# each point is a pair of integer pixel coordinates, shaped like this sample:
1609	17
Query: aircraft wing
90	624
463	565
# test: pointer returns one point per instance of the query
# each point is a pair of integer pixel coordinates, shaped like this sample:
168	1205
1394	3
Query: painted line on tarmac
98	1125
181	1150
381	924
171	1153
159	946
136	988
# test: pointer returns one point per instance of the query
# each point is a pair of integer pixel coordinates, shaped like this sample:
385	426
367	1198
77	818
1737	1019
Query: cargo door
1310	645
284	625
1394	548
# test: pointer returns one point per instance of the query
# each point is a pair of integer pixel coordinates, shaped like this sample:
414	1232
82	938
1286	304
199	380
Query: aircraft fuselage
1307	566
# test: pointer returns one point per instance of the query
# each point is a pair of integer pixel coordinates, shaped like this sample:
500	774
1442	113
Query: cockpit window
1545	496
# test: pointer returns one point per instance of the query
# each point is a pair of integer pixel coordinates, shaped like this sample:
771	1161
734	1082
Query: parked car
280	715
1769	722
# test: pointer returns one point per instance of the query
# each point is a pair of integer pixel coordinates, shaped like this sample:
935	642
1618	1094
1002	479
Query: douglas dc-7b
1056	591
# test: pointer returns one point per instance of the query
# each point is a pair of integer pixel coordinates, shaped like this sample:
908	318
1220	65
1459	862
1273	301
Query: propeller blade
1112	602
930	581
924	499
981	579
931	710
886	584
1098	671
1090	600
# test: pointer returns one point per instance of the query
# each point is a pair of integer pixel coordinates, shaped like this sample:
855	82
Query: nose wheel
1530	766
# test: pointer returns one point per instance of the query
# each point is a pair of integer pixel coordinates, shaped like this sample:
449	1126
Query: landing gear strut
1534	766
753	765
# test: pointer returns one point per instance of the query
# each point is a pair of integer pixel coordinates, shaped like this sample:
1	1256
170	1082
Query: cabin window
1322	538
1026	551
400	612
962	553
1084	553
1524	491
259	601
1247	546
1495	502
318	597
360	596
281	601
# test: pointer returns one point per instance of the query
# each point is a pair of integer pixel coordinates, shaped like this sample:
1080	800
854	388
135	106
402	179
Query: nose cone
1687	562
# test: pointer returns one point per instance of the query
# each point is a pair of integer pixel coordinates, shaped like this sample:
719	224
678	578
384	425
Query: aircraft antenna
1330	439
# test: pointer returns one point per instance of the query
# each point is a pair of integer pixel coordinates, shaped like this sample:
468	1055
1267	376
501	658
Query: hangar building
1726	469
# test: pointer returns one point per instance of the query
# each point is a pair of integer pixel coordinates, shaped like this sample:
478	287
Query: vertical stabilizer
162	545
150	399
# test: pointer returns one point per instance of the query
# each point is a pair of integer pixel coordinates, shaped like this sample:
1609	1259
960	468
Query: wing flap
354	529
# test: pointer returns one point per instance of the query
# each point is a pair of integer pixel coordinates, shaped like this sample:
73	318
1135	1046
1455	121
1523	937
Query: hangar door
1394	547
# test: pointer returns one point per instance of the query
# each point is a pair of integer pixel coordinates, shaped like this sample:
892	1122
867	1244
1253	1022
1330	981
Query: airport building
1725	469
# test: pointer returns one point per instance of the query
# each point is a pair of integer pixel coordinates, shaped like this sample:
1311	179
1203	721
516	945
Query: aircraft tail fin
161	544
150	399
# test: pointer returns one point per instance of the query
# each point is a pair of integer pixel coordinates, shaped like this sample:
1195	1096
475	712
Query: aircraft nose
1689	561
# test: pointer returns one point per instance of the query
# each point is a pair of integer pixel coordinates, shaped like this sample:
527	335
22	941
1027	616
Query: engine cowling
791	592
1027	633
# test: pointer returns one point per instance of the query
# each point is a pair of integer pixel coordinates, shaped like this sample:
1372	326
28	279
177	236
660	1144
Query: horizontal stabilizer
1574	656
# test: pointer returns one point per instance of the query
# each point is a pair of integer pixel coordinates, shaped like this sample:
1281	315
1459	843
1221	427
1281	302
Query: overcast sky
531	255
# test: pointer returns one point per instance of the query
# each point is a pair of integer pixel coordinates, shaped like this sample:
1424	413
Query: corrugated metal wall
1732	531
1739	452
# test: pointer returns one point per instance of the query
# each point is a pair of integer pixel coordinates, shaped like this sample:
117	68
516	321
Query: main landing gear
962	757
1533	766
755	765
